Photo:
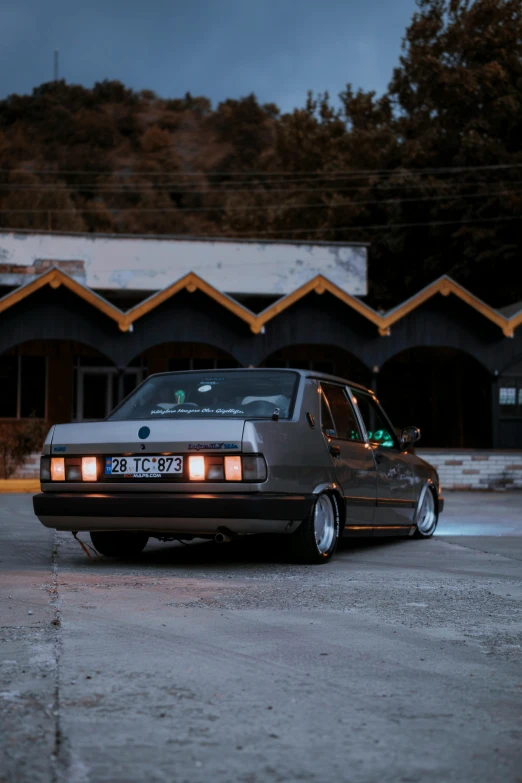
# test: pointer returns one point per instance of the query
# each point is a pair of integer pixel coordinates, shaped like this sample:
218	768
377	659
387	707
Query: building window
510	397
23	381
97	387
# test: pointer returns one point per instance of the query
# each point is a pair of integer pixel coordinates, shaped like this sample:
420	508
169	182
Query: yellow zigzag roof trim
55	277
445	286
191	282
319	284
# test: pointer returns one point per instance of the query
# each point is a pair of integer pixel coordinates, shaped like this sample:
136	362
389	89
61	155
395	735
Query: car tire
316	539
426	516
119	543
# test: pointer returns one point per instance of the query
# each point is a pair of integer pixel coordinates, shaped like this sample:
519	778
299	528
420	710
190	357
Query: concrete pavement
398	661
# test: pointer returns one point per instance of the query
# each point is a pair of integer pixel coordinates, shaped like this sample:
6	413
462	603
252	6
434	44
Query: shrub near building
18	440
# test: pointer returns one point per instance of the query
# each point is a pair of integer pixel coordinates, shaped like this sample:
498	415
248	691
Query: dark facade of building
443	360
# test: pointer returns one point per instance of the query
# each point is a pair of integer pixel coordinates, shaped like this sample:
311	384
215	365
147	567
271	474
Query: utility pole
56	65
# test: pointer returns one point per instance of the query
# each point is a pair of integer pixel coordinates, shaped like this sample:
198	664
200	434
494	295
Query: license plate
143	467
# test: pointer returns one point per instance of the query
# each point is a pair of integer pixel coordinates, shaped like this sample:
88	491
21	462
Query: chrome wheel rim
427	518
324	524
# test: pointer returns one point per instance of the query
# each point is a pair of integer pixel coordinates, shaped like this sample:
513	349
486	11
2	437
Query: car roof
321	376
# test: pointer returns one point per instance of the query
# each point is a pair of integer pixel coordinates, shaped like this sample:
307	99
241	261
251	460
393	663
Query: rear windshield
211	395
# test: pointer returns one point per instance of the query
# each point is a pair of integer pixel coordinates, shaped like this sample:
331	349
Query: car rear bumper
172	513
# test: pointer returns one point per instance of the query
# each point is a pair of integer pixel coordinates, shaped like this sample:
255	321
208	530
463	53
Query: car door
352	457
395	475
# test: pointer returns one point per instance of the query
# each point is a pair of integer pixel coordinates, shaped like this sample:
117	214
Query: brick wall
30	469
476	468
20	274
457	468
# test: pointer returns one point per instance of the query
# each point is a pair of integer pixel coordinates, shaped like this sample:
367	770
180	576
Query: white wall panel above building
151	263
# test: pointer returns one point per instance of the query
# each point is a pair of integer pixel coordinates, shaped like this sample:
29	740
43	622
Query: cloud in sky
277	49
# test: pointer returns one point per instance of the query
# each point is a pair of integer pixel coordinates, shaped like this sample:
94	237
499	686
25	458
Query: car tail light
58	469
233	470
230	468
73	469
45	469
208	467
89	468
254	469
215	470
196	468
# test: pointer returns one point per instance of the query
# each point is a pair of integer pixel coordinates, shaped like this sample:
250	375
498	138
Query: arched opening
321	358
171	356
444	391
59	381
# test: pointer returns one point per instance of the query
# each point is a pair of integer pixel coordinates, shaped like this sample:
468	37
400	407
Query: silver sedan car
219	454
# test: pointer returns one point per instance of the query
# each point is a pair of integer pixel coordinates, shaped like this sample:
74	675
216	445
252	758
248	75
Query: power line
260	208
385	226
166	188
344	173
374	227
223	186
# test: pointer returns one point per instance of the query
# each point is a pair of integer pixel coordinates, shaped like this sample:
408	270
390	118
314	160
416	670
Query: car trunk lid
152	436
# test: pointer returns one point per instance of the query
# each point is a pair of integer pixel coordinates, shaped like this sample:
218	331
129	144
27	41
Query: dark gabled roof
191	282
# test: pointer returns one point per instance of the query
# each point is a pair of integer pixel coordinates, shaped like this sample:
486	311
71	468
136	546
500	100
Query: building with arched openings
84	318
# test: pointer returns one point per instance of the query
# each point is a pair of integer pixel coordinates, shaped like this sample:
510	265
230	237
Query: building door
509	406
97	392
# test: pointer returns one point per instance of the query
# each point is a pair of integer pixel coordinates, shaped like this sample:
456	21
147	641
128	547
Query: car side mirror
409	435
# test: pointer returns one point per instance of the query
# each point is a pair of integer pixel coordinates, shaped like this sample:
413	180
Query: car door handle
334	451
379	458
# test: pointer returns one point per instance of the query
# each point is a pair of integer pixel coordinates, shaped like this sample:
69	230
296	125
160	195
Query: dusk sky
277	49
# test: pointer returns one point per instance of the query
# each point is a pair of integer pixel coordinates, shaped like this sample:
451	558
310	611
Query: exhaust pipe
223	536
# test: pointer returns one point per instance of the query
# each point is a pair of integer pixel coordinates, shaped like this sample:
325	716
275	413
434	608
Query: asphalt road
398	661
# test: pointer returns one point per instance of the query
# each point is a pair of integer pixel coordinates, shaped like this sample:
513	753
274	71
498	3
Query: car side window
345	421
378	427
327	424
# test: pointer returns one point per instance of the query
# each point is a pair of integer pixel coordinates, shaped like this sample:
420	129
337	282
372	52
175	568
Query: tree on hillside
246	130
430	173
454	103
457	95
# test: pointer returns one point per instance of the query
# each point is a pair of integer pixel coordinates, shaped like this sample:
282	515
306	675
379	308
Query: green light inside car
382	437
